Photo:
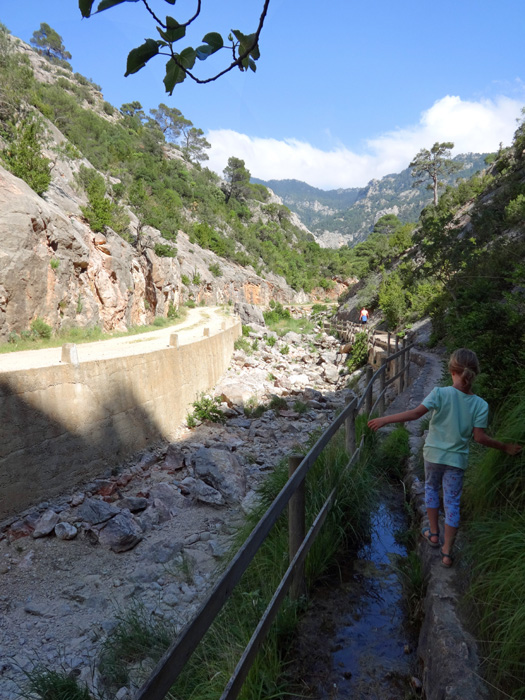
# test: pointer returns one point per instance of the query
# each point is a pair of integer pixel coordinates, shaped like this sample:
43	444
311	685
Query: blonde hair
465	363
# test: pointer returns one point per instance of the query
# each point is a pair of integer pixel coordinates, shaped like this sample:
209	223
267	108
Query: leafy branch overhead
244	48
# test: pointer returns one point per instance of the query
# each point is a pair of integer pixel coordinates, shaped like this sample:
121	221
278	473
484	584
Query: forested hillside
142	175
347	216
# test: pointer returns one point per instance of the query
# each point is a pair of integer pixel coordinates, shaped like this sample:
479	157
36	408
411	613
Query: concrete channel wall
65	424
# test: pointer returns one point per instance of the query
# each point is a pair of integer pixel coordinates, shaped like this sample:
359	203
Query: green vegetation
138	635
495	502
208	670
433	164
23	156
54	685
206	408
359	355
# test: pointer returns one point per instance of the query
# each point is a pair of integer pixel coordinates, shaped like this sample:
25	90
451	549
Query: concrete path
189	330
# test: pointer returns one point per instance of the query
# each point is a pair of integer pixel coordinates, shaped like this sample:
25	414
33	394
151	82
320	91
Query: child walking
457	415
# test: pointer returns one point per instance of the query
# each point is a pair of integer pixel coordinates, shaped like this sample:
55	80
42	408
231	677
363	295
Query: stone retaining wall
62	425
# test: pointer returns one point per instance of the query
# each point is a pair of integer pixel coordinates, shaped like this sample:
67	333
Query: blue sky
345	91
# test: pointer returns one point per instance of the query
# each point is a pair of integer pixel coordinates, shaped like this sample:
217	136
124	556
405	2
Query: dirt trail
189	330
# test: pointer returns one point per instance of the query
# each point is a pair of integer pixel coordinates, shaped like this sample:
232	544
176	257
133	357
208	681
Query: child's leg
452	487
433	477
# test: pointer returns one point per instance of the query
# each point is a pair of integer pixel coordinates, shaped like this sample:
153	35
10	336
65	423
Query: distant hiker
457	414
364	315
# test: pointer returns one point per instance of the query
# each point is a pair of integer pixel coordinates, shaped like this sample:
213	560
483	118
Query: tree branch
237	61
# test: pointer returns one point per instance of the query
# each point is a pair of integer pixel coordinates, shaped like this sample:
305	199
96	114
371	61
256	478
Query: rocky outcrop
53	267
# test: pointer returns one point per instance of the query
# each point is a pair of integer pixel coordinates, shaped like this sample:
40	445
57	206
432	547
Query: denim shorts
451	478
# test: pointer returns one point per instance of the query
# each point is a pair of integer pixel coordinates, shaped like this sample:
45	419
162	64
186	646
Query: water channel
354	642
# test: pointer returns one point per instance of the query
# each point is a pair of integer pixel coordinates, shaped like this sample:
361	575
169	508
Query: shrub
359	356
41	329
185	280
173	311
242	344
515	210
271	340
24	158
208	408
196	279
215	270
278	403
55	263
246	330
165	250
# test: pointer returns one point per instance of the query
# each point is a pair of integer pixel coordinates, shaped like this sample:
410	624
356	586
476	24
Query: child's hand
512	448
376	423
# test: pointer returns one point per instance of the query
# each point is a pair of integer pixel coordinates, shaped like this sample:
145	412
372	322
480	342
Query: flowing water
354	642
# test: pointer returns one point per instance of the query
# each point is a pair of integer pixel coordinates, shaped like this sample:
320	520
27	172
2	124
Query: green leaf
106	4
203	52
246	44
174	75
85	7
251	65
138	57
215	40
187	57
173	33
174	30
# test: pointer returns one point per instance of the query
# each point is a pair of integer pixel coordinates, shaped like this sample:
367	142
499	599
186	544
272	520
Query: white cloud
476	127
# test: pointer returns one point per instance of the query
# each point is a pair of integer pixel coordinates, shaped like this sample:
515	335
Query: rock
65	531
168	495
134	504
249	314
94	512
174	458
223	471
203	492
331	374
120	533
162	552
45	524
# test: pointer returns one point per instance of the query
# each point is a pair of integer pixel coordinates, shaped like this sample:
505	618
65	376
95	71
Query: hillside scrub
471	251
153	177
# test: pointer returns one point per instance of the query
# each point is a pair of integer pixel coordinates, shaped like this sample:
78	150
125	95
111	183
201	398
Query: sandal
446	556
427	534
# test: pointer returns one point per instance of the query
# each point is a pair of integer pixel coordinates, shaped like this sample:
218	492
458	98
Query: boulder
249	314
120	533
45	524
222	470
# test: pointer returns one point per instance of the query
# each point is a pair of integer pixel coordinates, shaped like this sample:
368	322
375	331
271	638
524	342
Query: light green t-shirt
454	416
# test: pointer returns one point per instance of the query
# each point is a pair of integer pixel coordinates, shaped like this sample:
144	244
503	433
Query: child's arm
510	448
413	414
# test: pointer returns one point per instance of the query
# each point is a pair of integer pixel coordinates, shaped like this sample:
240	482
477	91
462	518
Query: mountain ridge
346	216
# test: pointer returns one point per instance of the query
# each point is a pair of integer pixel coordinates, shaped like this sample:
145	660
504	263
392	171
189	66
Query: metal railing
292	494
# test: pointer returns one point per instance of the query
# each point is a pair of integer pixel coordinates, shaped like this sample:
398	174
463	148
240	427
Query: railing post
396	362
388	344
407	367
369	394
350	432
402	368
296	528
382	386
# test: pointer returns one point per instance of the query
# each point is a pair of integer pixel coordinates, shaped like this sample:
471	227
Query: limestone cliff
54	267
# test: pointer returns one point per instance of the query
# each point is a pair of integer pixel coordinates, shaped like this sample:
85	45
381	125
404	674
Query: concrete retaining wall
65	424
